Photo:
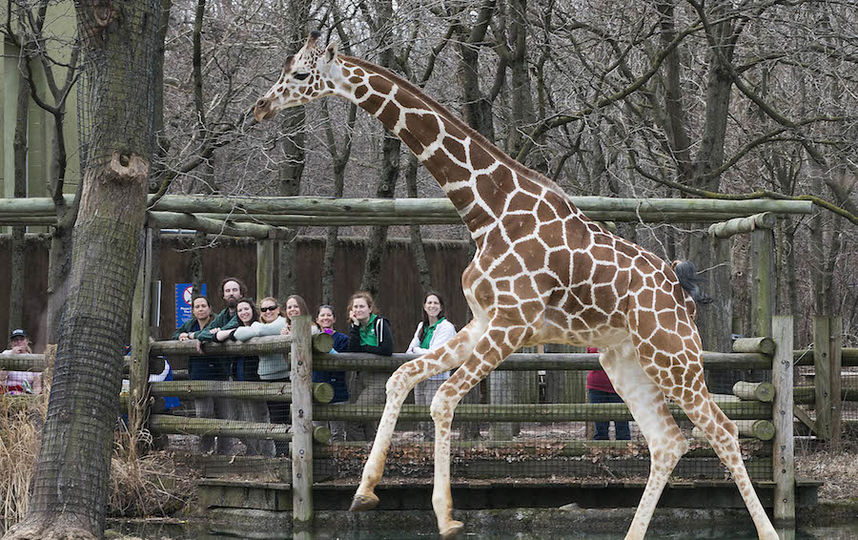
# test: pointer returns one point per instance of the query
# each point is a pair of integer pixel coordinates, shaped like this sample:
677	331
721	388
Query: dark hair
242	288
253	308
425	316
302	305
319	310
209	304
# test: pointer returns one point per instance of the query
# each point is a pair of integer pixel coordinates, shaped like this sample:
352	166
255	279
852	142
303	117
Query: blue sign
184	292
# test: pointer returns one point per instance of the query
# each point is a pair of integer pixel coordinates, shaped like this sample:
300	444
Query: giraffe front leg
487	355
403	380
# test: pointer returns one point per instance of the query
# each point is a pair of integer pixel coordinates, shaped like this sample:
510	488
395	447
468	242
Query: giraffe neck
475	175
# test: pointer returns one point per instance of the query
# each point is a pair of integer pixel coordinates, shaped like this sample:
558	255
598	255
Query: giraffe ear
331	52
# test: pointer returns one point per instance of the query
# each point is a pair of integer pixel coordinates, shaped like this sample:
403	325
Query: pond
178	530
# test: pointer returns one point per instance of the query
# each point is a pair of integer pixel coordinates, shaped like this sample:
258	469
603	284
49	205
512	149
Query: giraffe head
306	75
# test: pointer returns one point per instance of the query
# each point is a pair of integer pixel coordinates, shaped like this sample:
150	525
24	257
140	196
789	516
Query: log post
302	426
763	276
753	391
265	268
138	374
783	455
822	376
835	332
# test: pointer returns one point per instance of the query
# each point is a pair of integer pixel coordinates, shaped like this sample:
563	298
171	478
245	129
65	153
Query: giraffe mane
457	122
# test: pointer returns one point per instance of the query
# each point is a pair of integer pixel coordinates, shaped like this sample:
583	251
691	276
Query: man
20	382
220	368
18	342
233	290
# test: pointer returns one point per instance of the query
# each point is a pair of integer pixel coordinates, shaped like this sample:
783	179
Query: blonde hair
276	303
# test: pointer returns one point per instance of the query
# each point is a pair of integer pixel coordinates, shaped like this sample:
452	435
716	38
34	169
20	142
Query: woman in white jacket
432	332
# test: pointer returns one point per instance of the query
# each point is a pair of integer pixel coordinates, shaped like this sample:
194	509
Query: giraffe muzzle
262	111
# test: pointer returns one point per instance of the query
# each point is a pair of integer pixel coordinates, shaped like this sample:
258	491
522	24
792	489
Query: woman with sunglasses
272	367
246	369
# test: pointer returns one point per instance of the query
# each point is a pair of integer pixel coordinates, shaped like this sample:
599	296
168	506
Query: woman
324	321
204	369
295	306
272	367
246	369
370	333
432	332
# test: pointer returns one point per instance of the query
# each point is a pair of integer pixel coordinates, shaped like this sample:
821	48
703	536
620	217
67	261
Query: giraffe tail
689	281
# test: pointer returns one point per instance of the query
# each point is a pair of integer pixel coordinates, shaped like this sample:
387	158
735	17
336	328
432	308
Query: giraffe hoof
452	531
362	503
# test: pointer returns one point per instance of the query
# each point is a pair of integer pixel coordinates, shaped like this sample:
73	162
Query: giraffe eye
301	76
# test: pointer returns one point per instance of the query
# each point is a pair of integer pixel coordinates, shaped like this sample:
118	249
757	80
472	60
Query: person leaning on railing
272	367
368	332
324	322
232	289
245	368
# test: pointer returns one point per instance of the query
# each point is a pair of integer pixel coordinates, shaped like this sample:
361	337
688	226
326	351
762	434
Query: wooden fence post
138	374
302	428
264	268
835	330
763	276
783	455
822	376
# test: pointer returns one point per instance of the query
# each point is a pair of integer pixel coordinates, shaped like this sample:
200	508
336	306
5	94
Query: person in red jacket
601	390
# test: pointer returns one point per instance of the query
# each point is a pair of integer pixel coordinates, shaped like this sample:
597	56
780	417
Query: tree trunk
70	484
377	243
17	267
294	155
418	248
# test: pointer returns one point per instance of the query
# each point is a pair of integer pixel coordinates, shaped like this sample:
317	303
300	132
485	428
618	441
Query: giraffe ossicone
542	273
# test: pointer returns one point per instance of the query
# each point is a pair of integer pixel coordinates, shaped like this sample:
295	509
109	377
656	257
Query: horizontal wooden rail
806	395
563	412
165	423
532	448
254	346
804	357
763	430
23	362
406	211
255	391
527	361
755	391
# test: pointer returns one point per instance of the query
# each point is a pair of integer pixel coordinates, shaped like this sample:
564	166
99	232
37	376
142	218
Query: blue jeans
621	427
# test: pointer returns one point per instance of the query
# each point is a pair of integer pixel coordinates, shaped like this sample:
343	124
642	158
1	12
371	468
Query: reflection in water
197	529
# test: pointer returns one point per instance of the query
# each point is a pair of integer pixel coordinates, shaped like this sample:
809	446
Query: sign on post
184	293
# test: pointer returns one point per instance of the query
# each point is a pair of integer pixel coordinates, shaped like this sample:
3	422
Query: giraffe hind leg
722	434
403	380
648	406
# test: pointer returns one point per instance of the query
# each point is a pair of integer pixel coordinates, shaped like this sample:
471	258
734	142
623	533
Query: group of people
241	319
368	331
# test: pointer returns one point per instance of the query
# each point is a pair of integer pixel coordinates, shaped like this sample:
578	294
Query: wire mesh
118	74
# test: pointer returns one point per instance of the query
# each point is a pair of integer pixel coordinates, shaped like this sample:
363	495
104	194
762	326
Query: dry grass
21	418
148	485
839	471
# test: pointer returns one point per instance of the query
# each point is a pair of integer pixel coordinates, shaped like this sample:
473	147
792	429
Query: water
195	529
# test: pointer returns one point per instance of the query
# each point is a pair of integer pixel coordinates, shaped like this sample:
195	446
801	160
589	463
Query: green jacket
188	327
224	320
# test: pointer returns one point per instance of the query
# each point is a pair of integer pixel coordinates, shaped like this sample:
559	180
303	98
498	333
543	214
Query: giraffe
542	273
